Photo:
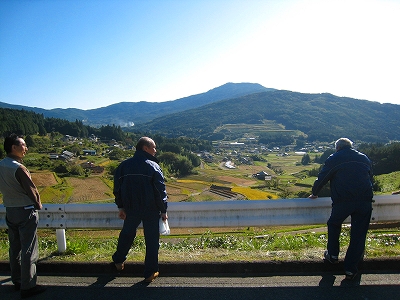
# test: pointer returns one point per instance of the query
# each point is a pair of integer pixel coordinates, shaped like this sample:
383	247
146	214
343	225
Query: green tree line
24	122
385	158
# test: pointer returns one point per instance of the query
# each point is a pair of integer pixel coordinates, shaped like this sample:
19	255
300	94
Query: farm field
289	178
89	190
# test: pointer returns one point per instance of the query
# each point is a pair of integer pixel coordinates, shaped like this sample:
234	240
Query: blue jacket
350	174
139	184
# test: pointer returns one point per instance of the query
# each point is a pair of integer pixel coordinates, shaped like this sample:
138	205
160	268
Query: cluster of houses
67	155
70	138
260	148
236	151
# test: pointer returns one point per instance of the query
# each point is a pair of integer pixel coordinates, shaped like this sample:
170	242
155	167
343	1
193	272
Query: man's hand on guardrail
312	196
121	214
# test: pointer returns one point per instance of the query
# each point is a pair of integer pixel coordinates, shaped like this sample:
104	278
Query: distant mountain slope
70	114
323	117
127	113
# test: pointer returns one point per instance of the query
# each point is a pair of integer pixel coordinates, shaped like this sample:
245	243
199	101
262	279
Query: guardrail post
61	241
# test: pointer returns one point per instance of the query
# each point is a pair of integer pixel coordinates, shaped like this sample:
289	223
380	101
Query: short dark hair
9	141
144	141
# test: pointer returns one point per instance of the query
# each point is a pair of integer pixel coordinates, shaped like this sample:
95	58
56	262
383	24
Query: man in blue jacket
350	175
141	196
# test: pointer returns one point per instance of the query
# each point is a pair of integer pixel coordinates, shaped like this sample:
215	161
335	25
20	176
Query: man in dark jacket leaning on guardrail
141	196
350	175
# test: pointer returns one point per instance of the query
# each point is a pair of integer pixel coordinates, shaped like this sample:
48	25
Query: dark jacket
139	184
350	174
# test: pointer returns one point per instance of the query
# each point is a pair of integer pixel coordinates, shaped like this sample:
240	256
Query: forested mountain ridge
317	117
322	117
126	114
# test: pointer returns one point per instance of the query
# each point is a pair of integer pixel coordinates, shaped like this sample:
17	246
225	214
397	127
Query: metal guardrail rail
230	213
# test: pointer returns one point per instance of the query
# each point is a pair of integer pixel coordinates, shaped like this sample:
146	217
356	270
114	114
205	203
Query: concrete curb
184	268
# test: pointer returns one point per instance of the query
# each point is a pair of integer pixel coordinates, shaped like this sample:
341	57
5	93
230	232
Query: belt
29	207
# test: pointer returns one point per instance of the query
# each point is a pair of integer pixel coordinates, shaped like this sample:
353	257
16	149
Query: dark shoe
120	266
17	286
329	258
350	275
37	289
152	277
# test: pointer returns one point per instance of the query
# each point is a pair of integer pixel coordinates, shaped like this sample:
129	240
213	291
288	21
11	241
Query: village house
66	155
92	167
262	176
89	152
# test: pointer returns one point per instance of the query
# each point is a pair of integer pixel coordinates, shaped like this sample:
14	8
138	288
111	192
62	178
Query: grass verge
246	244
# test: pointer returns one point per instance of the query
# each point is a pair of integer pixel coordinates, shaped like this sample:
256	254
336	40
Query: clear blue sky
88	54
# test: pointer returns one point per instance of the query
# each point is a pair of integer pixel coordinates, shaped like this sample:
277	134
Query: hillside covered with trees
24	122
48	135
321	117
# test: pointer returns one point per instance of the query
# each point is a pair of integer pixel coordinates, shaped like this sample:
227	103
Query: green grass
246	244
389	182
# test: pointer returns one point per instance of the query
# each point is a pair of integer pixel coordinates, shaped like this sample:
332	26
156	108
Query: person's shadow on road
102	281
354	282
327	280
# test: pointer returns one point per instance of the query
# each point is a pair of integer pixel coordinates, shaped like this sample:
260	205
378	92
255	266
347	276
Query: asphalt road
223	286
379	279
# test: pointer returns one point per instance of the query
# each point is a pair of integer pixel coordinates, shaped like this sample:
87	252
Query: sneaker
152	277
120	266
350	275
329	258
37	289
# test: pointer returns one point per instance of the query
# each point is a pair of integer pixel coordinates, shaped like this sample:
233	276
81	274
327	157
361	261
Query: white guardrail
230	213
